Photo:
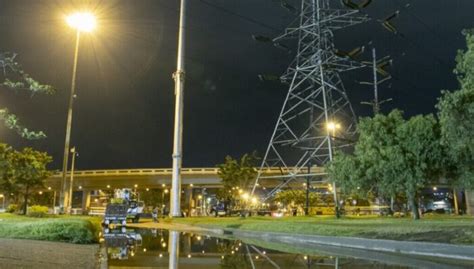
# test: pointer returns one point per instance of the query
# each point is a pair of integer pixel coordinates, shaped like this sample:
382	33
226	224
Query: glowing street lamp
3	200
333	127
81	22
254	200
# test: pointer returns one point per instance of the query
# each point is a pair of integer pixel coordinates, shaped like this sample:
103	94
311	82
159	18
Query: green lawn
72	229
443	229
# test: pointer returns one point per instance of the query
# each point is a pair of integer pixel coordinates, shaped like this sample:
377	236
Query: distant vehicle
123	207
219	210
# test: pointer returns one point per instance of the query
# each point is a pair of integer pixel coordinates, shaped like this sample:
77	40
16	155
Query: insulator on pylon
352	5
288	7
353	54
268	77
387	24
261	38
282	47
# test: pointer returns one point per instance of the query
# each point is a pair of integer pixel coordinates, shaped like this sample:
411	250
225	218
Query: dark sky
123	115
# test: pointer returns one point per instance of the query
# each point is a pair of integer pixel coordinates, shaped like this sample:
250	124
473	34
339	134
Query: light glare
82	21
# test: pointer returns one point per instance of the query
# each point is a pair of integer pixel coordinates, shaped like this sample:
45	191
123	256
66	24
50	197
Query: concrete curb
434	250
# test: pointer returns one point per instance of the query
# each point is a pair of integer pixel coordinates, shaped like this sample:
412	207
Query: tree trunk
25	206
414	206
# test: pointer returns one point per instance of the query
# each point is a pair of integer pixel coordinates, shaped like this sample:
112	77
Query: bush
78	231
12	208
116	201
38	211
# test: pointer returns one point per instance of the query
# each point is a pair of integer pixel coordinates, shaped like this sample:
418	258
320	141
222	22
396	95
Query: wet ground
155	248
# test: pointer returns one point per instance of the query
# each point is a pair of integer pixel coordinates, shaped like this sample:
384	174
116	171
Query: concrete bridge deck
153	178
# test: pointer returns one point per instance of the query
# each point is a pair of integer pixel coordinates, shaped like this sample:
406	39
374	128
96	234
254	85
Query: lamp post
333	127
163	205
74	153
3	201
81	22
175	197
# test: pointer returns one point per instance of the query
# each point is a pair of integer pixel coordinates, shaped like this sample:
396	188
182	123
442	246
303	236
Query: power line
248	19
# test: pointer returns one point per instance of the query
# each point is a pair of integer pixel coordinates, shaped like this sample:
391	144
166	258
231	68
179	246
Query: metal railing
156	171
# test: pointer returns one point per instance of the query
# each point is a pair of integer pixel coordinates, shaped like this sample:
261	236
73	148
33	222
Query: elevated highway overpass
89	185
154	178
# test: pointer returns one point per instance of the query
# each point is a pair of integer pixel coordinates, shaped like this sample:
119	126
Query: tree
456	116
14	78
6	169
153	197
392	155
237	175
298	197
29	171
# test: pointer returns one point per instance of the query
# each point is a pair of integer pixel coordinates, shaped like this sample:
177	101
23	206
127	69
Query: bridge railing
146	171
158	171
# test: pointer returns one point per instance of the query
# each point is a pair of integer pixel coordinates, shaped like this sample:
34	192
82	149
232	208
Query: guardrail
159	171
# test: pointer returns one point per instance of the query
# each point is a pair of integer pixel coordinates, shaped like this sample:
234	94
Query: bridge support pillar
188	200
86	200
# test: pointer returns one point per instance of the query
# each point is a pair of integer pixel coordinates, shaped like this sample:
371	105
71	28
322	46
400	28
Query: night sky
123	116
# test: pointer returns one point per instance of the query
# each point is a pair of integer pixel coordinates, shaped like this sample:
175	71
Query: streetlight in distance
333	127
3	201
81	22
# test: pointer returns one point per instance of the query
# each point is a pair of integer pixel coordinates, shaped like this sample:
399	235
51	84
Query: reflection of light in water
173	249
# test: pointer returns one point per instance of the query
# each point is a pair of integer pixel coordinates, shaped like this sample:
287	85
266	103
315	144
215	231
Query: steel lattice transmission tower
316	104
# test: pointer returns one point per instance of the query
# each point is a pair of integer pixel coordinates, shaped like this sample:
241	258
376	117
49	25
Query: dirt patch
15	253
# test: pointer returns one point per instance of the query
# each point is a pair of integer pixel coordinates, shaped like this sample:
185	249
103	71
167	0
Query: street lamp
3	200
165	191
74	153
333	127
81	22
179	76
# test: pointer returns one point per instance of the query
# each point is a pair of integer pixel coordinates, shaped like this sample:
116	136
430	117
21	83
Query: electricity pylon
317	117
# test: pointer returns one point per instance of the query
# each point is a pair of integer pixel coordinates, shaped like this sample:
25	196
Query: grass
71	229
442	229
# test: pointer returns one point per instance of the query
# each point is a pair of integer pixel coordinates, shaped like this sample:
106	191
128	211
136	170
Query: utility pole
179	77
377	67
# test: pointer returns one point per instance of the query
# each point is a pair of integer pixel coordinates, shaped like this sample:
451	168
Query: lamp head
82	21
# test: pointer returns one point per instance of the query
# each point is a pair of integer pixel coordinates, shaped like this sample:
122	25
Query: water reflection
121	243
173	249
163	249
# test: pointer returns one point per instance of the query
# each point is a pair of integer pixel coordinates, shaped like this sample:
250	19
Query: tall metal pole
179	76
376	90
64	199
73	161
